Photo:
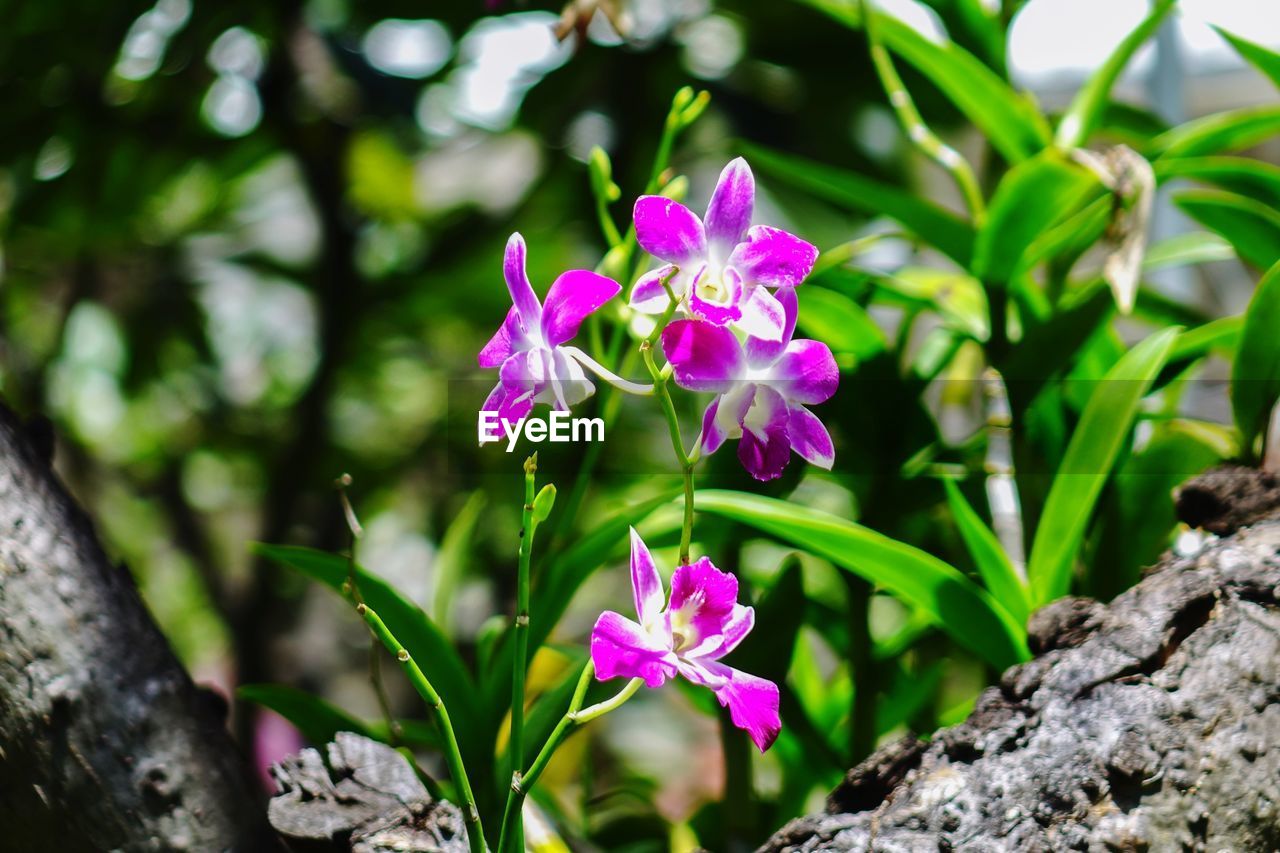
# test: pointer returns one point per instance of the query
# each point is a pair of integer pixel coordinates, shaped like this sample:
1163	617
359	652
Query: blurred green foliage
248	247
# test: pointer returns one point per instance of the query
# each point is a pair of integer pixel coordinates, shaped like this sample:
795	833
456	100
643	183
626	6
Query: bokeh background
246	247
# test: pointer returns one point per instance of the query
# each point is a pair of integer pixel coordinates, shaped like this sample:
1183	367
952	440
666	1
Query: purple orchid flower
529	349
702	623
720	268
762	390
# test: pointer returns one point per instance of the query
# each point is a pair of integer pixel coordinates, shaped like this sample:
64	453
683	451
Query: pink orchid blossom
702	623
762	390
720	268
535	365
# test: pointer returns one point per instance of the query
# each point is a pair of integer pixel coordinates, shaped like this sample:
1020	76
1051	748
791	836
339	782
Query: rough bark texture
105	743
367	799
1152	723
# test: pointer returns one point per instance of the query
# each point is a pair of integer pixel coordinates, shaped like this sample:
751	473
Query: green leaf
1030	198
1221	335
451	560
1071	237
1262	58
1009	119
993	563
1195	247
1082	117
318	720
1091	454
1251	227
1255	373
1049	348
1138	518
413	628
1226	131
938	227
782	607
1256	179
839	322
957	298
906	696
961	608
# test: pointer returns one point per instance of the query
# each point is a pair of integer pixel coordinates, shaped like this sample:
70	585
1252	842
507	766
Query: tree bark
105	742
1152	723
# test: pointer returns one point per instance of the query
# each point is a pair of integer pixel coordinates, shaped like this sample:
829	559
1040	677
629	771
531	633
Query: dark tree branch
105	743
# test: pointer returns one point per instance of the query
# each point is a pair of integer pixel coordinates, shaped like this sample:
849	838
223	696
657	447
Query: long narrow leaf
992	562
841	323
961	608
1262	58
1251	227
317	719
1195	247
451	561
1031	197
1083	116
938	227
1091	454
1255	374
1255	179
413	628
1008	118
1219	132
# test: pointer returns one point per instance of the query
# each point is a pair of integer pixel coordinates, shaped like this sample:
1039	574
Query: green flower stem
685	107
521	666
452	755
917	131
661	378
522	783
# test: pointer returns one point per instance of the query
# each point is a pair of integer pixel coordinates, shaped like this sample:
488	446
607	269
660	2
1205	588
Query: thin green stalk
521	666
607	226
452	755
676	121
522	783
917	131
663	393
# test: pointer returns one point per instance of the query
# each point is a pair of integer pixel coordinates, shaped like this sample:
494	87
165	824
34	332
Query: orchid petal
753	703
712	435
649	296
522	295
762	352
702	601
806	372
573	296
621	648
501	345
773	257
568	381
717	301
668	230
733	631
729	213
809	438
704	356
765	447
496	397
646	584
763	316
